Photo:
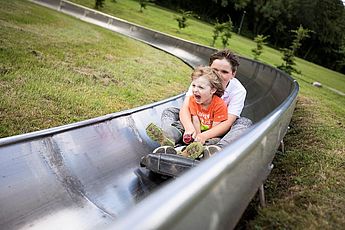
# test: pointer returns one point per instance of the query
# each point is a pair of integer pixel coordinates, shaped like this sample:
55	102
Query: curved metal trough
86	175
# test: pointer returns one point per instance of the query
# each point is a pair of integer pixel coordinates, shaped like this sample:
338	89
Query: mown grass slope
201	32
56	70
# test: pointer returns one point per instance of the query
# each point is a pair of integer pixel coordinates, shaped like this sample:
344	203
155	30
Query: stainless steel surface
86	175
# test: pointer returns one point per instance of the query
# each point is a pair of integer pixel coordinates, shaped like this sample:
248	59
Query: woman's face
223	67
202	91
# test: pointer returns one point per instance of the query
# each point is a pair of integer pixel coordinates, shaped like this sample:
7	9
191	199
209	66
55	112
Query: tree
277	18
182	19
99	4
260	42
224	30
300	34
288	62
226	35
217	29
329	34
340	63
265	15
142	4
239	4
289	54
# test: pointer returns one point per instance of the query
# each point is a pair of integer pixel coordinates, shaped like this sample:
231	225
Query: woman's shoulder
235	86
235	83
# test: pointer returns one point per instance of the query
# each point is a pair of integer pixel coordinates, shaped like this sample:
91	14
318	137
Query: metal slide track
86	175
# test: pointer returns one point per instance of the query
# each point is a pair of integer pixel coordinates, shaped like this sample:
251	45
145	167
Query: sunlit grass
163	20
55	70
307	186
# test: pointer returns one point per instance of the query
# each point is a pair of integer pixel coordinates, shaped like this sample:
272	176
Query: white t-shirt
234	96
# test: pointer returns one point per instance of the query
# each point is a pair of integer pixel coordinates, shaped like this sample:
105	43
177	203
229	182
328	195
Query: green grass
306	188
56	70
163	20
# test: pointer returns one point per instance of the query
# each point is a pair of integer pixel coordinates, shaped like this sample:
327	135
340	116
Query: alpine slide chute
86	175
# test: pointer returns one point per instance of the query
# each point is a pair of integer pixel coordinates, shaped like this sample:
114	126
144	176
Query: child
206	107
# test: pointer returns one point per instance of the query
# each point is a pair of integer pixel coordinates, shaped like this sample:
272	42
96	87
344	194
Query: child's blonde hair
213	77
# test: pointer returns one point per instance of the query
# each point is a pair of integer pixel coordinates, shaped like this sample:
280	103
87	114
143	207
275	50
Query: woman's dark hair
229	56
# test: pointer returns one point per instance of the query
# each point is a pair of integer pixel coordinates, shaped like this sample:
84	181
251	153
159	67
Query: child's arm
196	124
216	123
218	130
185	117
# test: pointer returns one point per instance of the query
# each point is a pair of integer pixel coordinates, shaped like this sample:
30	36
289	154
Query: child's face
202	90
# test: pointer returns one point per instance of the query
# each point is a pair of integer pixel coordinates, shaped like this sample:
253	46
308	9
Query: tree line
275	19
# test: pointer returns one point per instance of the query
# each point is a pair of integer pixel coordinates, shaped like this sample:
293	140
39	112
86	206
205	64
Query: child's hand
187	138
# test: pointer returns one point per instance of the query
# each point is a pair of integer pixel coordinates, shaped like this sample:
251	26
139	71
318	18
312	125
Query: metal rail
86	175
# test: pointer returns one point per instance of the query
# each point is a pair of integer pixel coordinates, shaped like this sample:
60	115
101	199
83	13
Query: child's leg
165	150
239	126
171	124
209	150
212	141
193	150
157	134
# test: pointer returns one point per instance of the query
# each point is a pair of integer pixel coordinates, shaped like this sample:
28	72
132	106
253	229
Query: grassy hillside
55	70
163	20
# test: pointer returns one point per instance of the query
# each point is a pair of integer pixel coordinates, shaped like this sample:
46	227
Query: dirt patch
104	78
